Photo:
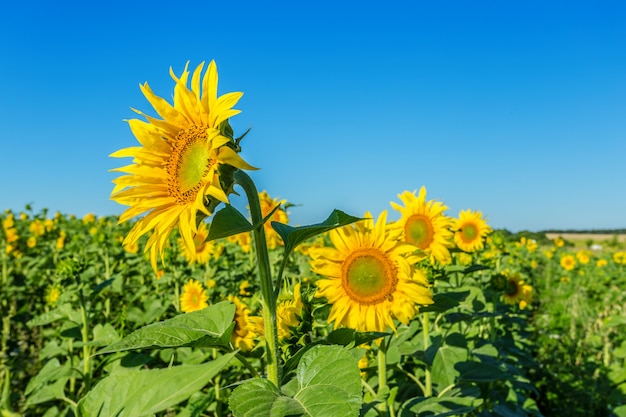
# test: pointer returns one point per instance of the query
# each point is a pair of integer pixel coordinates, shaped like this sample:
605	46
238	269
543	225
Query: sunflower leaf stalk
265	277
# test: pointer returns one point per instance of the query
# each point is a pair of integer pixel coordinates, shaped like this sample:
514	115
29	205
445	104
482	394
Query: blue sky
516	108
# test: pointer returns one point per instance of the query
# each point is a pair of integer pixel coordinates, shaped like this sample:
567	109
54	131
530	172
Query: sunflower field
186	306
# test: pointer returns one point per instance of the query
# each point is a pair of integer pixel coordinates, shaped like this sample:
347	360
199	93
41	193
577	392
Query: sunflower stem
382	375
265	276
428	384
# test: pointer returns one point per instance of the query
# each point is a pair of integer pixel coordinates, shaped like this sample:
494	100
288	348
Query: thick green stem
382	375
265	276
428	384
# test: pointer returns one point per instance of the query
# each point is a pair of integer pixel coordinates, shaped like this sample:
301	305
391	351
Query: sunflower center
189	163
469	232
368	276
418	230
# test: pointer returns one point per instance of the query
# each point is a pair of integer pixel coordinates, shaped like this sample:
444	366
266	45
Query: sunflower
174	174
267	205
470	229
568	262
289	314
367	277
424	225
202	250
194	297
517	291
247	327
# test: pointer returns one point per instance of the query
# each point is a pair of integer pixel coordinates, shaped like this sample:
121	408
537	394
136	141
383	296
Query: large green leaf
211	326
293	236
137	393
444	372
328	384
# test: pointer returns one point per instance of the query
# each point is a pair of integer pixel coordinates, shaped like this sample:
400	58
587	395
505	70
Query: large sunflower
367	277
174	174
424	225
470	229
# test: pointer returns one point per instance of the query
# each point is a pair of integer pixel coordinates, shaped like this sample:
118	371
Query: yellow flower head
243	288
247	328
568	262
470	229
53	293
193	297
202	250
8	222
89	218
174	175
559	242
517	291
583	256
37	227
267	205
424	225
367	278
620	258
289	313
31	242
11	235
601	263
242	239
60	242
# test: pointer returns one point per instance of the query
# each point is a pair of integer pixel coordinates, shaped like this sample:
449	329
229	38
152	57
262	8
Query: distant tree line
591	231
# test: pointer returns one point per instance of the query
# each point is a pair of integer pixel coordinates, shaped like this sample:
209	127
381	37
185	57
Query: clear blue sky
514	108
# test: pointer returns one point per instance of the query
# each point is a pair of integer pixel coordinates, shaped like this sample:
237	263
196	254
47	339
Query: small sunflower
517	291
203	250
620	257
244	240
247	328
424	225
289	314
267	205
174	174
194	297
470	229
53	292
568	262
367	278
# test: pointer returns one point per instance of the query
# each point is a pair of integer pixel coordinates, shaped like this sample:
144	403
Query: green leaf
444	372
64	312
228	222
293	236
328	384
210	327
480	372
137	393
445	406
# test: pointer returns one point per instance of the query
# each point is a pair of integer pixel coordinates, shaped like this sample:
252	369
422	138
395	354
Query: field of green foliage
520	327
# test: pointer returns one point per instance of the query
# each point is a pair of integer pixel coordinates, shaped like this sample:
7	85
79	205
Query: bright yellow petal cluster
517	291
568	262
174	174
247	329
193	297
424	225
202	250
289	313
620	257
367	278
470	230
280	215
